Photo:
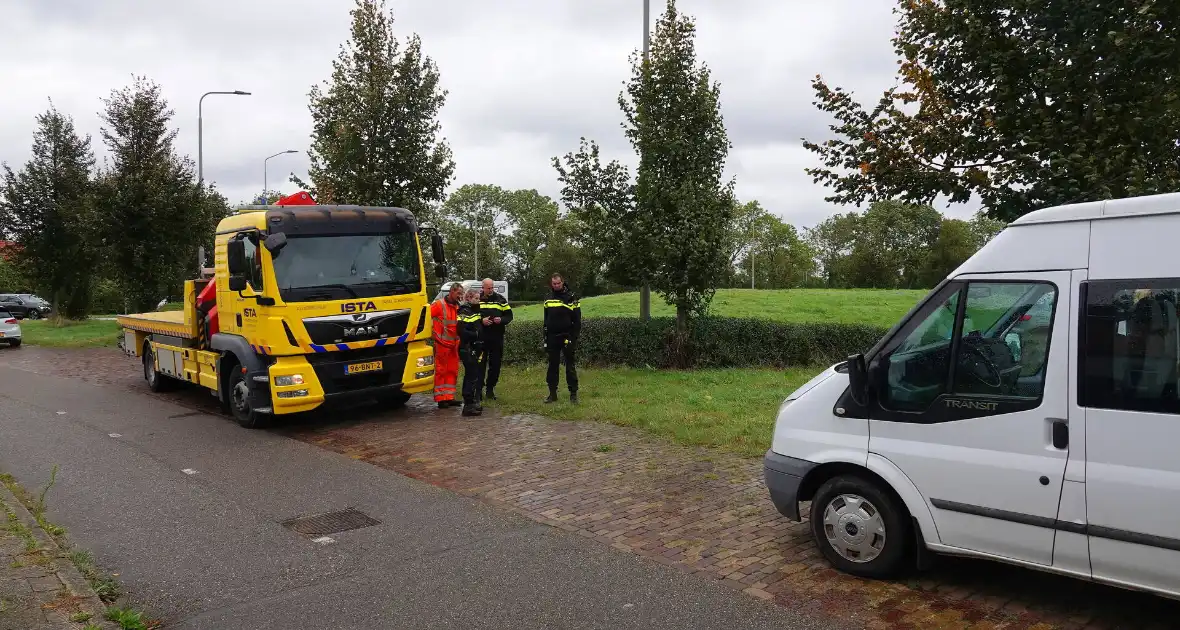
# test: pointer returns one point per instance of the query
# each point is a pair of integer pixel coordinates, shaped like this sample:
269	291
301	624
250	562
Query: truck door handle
1060	431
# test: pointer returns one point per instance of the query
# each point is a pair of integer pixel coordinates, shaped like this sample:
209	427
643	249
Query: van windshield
319	268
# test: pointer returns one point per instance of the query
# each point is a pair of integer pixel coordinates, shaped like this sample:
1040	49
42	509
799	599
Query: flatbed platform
171	323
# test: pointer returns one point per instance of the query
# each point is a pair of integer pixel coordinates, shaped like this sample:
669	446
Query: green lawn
851	306
728	409
70	334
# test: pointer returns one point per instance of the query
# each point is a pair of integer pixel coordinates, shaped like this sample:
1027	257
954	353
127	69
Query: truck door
969	396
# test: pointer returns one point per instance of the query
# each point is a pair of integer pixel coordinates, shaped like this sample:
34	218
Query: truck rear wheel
156	381
239	401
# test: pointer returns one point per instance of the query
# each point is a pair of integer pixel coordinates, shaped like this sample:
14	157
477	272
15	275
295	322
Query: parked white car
1026	411
9	329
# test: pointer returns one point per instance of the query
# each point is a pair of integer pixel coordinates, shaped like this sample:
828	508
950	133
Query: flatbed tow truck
306	304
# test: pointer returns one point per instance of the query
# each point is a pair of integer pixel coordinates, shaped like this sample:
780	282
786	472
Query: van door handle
1060	431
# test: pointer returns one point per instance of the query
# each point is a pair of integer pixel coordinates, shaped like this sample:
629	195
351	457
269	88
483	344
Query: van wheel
860	527
239	402
156	381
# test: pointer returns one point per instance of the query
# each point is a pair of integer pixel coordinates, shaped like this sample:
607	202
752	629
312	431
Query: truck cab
1025	411
307	304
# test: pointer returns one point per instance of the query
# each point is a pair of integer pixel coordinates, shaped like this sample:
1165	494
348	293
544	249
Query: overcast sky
526	78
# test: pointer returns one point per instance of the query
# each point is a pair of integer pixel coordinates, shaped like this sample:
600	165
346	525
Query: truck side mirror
235	257
237	283
858	379
436	250
440	270
275	243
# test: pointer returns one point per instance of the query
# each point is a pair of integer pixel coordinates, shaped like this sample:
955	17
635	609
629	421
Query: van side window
1131	346
1001	349
1005	338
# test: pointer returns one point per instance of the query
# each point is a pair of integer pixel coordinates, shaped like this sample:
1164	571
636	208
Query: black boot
573	397
470	408
491	393
552	396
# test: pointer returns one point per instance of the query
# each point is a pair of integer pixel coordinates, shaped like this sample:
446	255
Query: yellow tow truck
305	304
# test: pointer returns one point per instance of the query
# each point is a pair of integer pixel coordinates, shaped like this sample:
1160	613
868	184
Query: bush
714	342
108	298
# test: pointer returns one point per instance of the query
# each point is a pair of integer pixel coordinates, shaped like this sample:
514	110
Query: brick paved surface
699	511
39	588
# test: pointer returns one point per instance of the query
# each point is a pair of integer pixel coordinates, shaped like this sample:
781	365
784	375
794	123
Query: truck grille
330	367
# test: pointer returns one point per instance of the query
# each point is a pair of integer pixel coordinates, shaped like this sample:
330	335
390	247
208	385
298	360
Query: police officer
563	324
496	314
471	352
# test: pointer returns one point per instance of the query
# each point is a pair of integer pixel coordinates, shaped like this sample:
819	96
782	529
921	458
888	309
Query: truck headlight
418	375
291	379
425	361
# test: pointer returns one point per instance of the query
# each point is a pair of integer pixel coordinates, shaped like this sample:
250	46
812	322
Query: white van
1026	411
499	286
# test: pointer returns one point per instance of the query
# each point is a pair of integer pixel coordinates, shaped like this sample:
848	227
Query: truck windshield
318	268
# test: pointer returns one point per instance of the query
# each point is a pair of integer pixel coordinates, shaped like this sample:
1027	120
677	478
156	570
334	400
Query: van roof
1168	203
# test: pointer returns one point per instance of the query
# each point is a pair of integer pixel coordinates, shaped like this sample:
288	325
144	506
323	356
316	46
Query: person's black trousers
557	348
493	352
472	374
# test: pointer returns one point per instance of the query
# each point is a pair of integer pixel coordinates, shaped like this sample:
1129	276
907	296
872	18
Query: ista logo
249	312
357	307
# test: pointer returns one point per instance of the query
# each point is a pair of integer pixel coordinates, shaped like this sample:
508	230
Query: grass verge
104	585
870	307
732	410
64	333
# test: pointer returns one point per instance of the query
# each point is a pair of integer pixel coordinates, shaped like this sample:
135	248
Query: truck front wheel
239	401
156	381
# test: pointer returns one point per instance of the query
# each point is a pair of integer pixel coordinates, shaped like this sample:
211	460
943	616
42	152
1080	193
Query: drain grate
330	523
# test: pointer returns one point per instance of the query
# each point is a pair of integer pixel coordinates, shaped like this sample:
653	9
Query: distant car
9	329
500	287
25	305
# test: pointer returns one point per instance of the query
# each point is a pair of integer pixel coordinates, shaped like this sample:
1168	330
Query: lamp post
201	135
264	180
645	291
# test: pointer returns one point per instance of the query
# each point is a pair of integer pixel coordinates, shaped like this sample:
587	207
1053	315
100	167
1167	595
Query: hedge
715	342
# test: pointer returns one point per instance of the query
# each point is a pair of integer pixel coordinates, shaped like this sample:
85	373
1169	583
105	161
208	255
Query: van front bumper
783	477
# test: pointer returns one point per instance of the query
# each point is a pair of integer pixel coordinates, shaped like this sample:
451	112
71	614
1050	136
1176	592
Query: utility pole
645	292
201	132
751	269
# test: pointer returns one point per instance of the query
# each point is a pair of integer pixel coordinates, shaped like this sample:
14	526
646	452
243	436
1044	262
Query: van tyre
239	402
861	528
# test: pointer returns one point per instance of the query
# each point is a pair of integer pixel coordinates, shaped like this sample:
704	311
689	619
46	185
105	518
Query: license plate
368	366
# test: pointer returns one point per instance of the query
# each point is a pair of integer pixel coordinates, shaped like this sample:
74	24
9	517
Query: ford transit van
1026	411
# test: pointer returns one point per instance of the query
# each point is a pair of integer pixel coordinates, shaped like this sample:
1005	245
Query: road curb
69	575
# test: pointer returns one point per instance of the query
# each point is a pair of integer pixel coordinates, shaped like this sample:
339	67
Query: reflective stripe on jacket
495	305
563	315
444	318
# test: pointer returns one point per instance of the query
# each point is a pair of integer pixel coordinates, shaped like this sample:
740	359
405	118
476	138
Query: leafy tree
474	211
602	198
780	258
747	226
683	208
955	244
151	214
832	241
537	231
375	137
50	208
1024	103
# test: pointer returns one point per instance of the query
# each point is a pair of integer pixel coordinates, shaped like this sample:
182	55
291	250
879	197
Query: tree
748	225
683	208
1024	103
602	198
832	241
152	215
375	129
528	250
474	211
49	205
780	258
955	244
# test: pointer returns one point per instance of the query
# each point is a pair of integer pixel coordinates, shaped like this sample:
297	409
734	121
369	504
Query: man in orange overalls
444	314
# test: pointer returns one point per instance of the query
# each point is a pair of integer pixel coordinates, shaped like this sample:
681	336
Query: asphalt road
187	507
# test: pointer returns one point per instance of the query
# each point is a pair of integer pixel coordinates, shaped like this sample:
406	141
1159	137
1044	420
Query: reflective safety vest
444	317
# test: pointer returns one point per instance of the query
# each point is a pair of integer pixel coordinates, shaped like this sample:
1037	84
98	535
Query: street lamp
200	133
645	291
264	188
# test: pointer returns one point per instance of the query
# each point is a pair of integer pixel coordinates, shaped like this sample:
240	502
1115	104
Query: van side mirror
275	243
235	257
858	379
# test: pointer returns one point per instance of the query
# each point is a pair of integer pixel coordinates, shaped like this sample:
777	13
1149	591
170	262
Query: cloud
526	78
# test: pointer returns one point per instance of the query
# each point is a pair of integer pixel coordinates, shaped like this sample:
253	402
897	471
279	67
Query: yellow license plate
369	366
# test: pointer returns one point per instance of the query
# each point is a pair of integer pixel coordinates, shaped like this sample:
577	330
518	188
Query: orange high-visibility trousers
446	372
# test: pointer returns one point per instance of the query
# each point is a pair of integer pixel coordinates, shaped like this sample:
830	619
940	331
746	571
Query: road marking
189	471
628	605
61	413
115	435
323	540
